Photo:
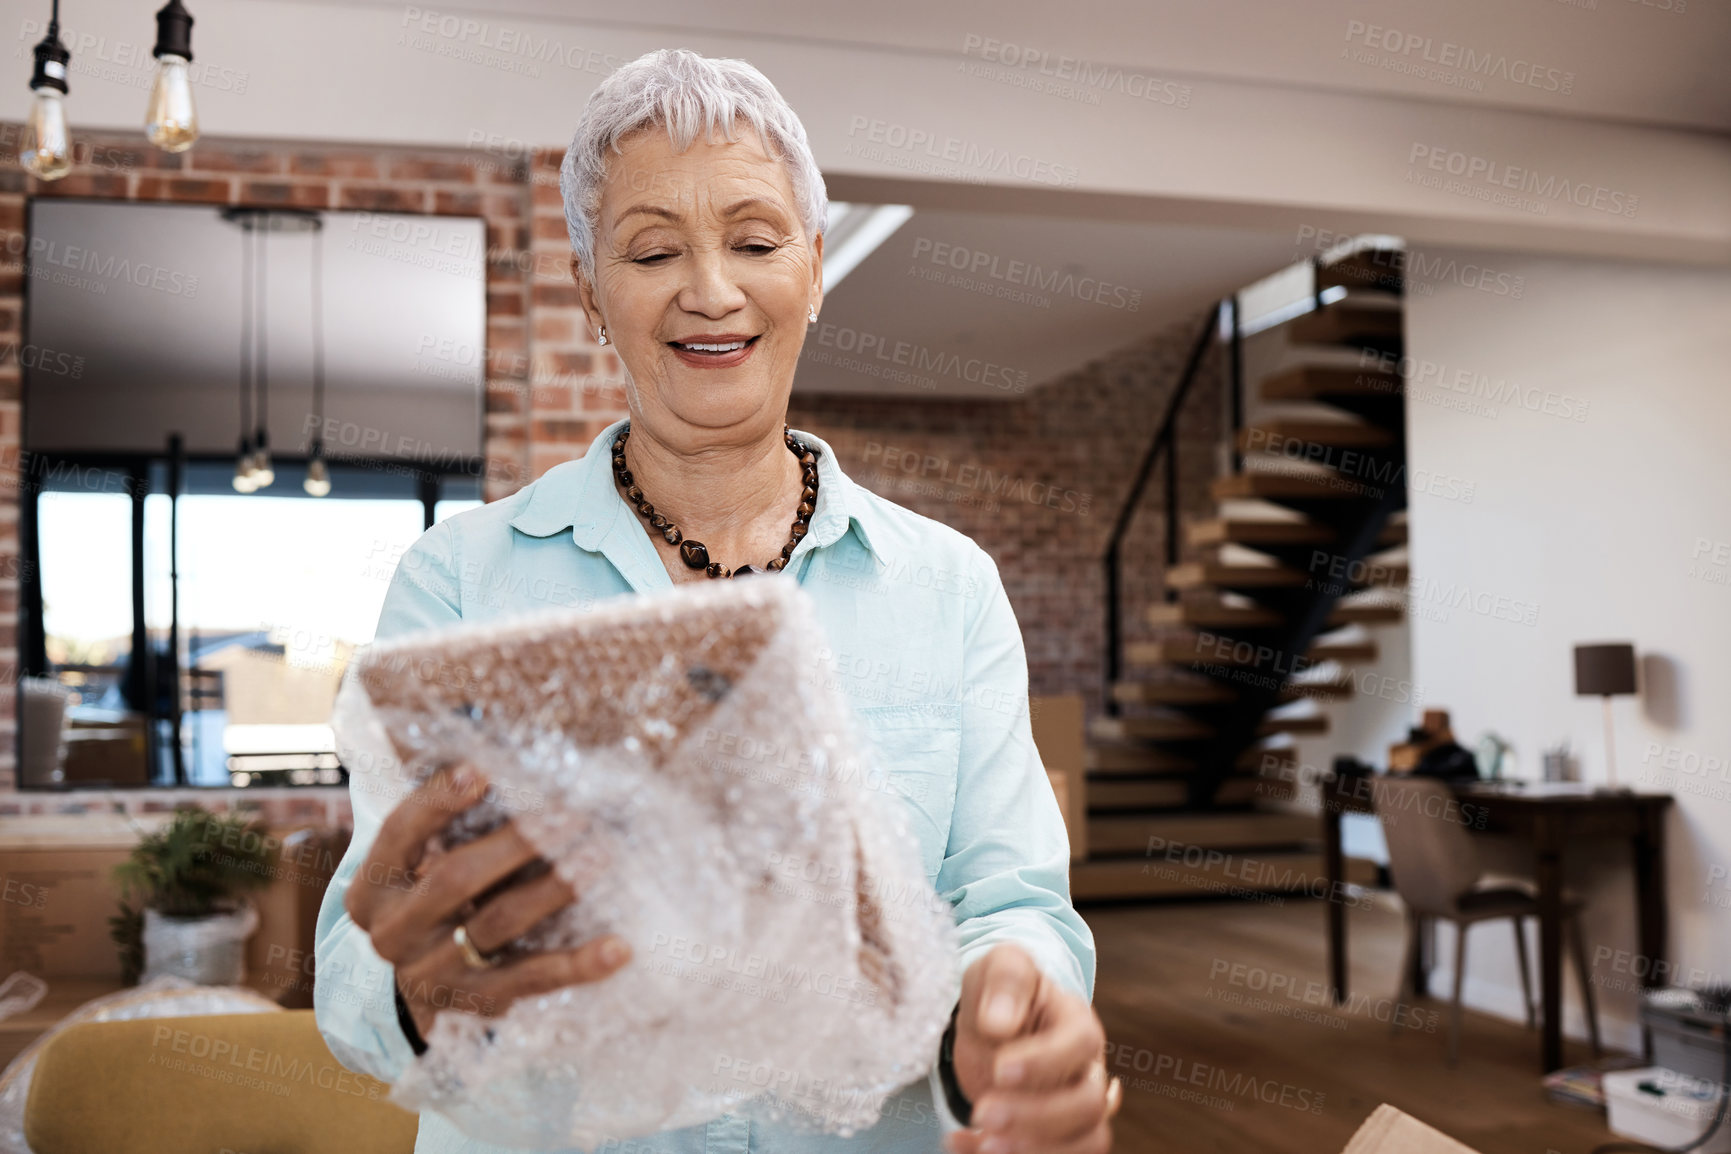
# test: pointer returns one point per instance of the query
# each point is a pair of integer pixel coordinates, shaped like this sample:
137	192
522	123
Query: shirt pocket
918	750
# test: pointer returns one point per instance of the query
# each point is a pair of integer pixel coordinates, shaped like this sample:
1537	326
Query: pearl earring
811	314
603	337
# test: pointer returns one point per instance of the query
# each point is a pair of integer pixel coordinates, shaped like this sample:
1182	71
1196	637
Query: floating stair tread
1326	690
1359	577
1223	575
1346	322
1212	615
1272	435
1267	484
1172	693
1309	724
1184	650
1381	574
1148	729
1373	270
1299	871
1344	652
1113	759
1253	531
1320	382
1107	794
1370	613
1181	693
1132	833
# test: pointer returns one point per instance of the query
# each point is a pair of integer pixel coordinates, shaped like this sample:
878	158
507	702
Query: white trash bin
1664	1108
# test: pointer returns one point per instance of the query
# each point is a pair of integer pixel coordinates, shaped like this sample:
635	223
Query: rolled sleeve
1006	871
354	990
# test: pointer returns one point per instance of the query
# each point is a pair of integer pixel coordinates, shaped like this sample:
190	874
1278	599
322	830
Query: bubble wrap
679	759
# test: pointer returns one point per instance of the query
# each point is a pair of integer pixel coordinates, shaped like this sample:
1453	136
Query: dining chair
1437	873
206	1083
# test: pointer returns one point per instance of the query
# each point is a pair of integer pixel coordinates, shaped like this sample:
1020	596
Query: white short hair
684	93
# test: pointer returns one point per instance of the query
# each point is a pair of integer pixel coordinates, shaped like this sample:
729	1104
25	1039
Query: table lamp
1607	671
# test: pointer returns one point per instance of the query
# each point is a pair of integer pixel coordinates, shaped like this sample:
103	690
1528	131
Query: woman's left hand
1030	1056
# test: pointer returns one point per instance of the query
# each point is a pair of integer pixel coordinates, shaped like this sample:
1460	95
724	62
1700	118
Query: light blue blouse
923	642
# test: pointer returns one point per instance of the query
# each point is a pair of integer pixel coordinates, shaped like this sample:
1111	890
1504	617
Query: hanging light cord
318	334
259	333
246	330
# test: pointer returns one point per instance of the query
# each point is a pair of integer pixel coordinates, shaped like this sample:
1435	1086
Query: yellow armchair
200	1085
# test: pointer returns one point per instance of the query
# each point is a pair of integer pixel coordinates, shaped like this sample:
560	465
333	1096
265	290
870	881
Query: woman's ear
817	271
586	297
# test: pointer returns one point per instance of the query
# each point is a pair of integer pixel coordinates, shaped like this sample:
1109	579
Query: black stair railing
1355	525
1164	445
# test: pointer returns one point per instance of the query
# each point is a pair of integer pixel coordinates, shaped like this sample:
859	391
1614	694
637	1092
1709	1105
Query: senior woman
696	212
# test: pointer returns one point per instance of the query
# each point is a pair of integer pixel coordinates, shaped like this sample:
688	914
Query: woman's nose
711	289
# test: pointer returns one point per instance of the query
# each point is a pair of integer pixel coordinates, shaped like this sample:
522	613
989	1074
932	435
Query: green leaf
200	863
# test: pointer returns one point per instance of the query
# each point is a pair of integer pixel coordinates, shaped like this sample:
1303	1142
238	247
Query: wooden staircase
1264	618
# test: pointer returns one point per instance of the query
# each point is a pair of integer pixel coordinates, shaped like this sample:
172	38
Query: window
275	592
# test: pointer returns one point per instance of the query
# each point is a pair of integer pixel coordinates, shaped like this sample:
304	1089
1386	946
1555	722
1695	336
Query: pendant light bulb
243	467
46	148
170	120
318	482
262	473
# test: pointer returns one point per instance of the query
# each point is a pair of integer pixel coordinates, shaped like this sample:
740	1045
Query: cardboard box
108	756
57	894
279	957
1388	1131
1060	733
1061	790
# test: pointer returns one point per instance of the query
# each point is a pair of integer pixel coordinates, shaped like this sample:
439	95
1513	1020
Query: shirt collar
580	496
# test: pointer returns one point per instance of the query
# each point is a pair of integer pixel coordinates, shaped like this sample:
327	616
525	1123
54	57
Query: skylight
853	232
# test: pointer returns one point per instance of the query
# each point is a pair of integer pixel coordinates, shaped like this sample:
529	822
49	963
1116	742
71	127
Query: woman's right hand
412	916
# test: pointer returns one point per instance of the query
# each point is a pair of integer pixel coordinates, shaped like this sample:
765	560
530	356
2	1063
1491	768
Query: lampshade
1605	670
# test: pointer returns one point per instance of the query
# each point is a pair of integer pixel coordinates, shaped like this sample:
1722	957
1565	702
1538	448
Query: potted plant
183	909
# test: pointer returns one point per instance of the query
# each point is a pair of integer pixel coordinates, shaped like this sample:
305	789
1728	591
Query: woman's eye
757	248
651	258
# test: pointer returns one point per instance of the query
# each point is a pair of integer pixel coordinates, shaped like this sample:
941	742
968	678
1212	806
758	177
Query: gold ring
472	957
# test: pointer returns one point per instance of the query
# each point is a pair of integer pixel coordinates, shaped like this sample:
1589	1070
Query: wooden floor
1212	1060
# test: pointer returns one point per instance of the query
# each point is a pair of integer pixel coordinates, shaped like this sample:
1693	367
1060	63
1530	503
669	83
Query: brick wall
583	390
1036	481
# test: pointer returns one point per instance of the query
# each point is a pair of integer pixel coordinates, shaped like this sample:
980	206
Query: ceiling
915	315
973	304
1645	61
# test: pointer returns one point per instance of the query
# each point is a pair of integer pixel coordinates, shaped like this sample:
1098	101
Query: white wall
1605	528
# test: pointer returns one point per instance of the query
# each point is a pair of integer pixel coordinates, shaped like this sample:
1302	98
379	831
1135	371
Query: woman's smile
721	351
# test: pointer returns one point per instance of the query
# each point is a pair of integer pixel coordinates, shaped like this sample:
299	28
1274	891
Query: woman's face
698	248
